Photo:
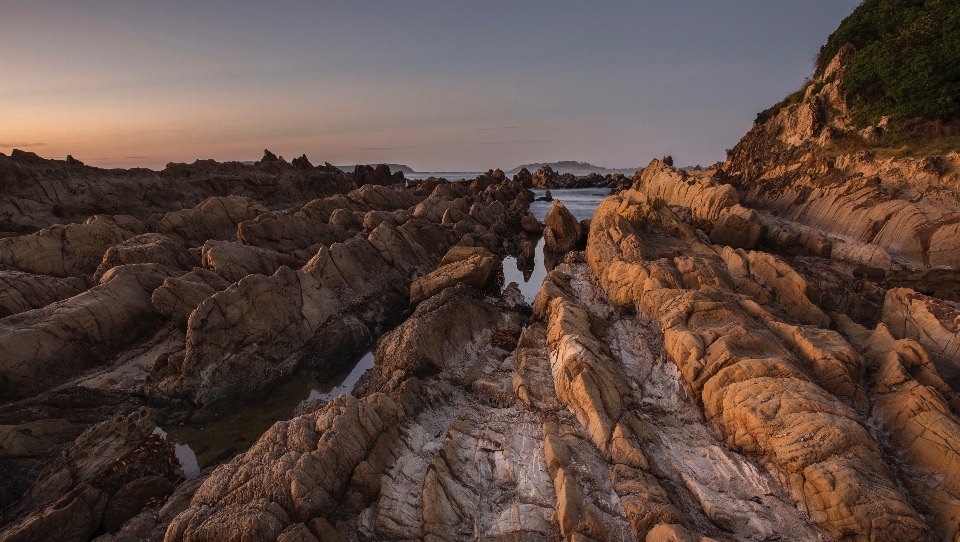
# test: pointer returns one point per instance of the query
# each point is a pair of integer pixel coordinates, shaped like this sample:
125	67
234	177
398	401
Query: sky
437	85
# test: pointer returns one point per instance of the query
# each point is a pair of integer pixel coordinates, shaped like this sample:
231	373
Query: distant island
570	166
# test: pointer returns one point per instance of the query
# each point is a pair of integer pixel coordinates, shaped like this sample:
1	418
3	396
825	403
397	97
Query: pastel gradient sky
437	85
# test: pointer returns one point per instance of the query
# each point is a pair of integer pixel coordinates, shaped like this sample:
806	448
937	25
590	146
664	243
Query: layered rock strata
909	207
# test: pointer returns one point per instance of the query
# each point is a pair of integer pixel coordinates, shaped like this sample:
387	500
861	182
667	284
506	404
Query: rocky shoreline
767	349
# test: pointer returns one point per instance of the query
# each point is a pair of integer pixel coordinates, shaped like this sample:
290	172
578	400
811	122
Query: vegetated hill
907	63
570	166
903	69
893	185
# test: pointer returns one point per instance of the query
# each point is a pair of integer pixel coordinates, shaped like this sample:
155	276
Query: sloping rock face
147	248
21	292
73	250
702	194
932	322
738	228
45	347
477	270
909	207
917	412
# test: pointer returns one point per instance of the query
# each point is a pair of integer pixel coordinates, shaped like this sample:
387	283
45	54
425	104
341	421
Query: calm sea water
581	202
450	176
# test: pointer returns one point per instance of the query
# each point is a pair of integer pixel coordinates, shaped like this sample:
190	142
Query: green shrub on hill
907	63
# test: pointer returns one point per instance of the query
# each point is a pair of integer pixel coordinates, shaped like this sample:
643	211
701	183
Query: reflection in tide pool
188	460
366	362
186	457
228	427
529	284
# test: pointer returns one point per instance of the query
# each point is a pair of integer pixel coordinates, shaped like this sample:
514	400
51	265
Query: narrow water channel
228	427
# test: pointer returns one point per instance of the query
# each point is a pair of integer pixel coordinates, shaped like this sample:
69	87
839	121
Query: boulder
322	449
704	195
432	338
545	177
216	218
73	250
932	322
524	178
475	271
530	224
460	253
147	248
289	233
788	289
561	230
177	297
233	261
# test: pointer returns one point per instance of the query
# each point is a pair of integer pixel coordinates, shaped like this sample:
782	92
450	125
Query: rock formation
545	177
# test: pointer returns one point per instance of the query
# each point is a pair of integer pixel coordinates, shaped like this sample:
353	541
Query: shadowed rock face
38	192
200	302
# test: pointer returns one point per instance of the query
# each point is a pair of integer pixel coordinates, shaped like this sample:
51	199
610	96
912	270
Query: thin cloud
494	128
514	142
21	145
138	157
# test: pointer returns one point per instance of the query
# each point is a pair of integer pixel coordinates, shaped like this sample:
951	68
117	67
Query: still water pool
227	427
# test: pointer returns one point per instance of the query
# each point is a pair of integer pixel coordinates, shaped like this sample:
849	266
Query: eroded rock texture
762	383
